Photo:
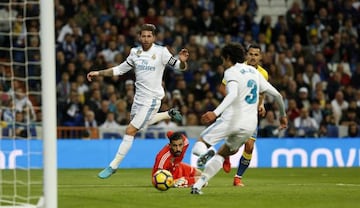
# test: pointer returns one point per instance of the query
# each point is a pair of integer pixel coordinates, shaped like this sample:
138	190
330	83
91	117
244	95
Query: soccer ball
162	180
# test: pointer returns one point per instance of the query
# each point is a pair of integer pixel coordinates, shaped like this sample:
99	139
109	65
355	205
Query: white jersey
149	68
243	110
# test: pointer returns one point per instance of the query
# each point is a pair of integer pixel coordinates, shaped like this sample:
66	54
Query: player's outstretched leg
175	115
202	160
106	173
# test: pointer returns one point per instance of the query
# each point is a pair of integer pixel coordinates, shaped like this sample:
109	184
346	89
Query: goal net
21	107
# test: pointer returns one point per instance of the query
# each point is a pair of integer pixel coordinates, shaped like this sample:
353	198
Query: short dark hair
148	27
175	136
253	45
234	51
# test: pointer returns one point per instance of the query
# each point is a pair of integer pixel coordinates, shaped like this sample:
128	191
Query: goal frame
48	80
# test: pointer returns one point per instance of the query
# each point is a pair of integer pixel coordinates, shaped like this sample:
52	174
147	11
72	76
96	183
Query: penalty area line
96	185
316	184
347	184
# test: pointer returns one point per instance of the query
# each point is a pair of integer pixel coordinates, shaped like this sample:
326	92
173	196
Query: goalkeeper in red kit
170	158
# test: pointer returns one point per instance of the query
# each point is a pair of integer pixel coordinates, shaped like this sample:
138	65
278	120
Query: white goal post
48	66
28	140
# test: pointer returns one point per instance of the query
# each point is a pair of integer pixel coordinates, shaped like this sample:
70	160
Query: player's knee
131	130
203	141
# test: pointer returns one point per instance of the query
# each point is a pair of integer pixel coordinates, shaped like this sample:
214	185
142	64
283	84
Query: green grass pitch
264	187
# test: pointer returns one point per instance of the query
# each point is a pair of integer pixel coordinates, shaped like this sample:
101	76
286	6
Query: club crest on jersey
153	56
138	52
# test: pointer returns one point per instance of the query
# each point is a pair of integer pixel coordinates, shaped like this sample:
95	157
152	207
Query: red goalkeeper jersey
166	160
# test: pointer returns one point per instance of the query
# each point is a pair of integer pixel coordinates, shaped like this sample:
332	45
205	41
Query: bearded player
170	158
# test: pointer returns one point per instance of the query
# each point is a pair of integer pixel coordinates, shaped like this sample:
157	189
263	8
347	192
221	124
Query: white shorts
142	111
225	130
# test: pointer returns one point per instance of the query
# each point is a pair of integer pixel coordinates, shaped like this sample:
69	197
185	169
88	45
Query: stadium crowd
311	54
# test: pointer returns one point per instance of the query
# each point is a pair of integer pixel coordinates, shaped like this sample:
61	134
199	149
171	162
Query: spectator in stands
305	125
189	19
82	87
323	131
72	111
333	85
269	125
210	102
355	78
110	122
316	111
284	66
311	77
110	52
63	88
334	50
265	27
177	99
69	28
88	46
94	102
303	98
338	105
294	11
89	120
20	126
320	66
345	74
192	120
292	111
348	117
6	13
353	130
22	101
101	113
69	47
7	115
167	124
122	114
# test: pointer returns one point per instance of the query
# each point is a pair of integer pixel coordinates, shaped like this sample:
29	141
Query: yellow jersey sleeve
263	72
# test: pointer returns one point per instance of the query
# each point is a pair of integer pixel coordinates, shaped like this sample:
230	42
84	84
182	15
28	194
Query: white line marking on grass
96	185
316	184
347	184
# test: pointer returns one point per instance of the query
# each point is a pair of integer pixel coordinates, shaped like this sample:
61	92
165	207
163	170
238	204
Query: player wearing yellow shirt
253	58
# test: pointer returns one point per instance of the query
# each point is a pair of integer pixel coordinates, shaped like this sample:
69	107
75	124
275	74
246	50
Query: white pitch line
89	185
315	184
347	184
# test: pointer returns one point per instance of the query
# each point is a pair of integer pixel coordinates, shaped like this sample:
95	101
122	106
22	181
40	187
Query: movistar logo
143	65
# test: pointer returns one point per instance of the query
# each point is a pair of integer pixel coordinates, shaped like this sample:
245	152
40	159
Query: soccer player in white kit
148	61
238	112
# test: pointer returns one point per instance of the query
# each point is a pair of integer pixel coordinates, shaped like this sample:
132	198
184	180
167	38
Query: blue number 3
252	97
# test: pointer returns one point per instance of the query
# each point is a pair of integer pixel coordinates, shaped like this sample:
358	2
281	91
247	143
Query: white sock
159	117
199	148
124	148
211	168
